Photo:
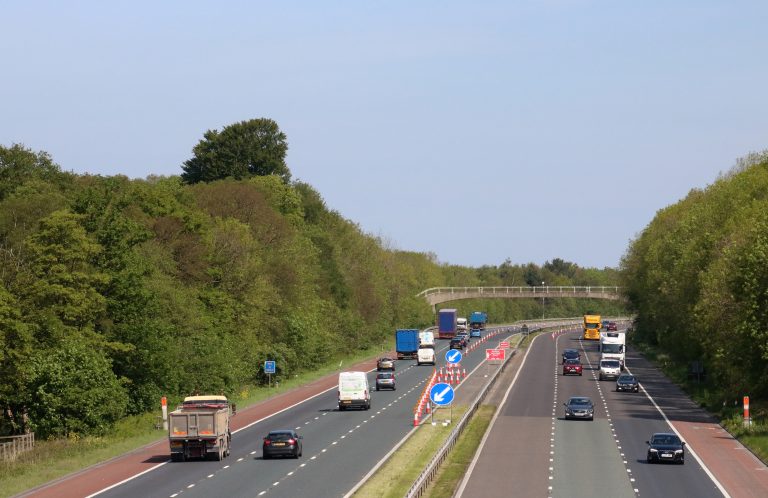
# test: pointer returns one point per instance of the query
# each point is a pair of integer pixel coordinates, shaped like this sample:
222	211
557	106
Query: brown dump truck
199	428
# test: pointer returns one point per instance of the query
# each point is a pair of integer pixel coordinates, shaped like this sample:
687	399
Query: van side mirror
648	443
683	443
234	409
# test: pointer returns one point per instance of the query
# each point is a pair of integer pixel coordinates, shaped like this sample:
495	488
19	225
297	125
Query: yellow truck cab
592	326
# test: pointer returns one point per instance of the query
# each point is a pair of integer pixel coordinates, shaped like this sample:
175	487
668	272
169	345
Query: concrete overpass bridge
437	295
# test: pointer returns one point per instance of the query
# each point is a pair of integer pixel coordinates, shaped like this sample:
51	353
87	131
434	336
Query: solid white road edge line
479	450
233	432
690	449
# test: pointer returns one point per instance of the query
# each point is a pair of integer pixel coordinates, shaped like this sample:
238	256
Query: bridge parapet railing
543	290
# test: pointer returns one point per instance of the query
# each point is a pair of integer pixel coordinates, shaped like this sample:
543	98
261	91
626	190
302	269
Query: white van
461	324
354	390
425	355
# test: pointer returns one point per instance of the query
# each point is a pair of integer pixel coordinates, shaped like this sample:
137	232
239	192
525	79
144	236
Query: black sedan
458	343
579	407
666	447
627	382
571	354
284	442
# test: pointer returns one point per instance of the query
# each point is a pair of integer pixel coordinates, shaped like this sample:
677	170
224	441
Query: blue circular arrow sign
441	394
453	356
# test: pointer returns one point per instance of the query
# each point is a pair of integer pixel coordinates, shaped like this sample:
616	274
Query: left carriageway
339	447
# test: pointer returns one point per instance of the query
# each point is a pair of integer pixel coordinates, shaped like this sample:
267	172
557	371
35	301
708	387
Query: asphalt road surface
339	447
533	451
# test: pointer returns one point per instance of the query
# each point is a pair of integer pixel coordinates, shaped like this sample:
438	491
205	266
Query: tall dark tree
249	148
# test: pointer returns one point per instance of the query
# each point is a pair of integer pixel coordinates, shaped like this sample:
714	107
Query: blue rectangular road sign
269	367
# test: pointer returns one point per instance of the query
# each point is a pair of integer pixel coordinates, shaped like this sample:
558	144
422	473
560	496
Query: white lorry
613	346
354	391
426	353
461	324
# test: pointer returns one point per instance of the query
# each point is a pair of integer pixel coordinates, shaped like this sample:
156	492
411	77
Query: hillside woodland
697	277
117	291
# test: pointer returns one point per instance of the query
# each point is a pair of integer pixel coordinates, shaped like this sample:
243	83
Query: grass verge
453	469
57	458
397	475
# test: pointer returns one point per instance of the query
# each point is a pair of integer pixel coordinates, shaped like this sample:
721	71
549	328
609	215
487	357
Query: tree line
697	277
115	292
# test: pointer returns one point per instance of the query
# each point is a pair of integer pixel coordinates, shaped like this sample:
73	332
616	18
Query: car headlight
678	451
653	450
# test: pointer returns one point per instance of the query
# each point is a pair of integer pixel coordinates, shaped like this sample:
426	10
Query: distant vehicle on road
463	335
591	327
461	324
385	363
627	382
524	328
477	321
665	447
284	442
612	326
579	407
354	391
385	380
571	354
199	428
406	343
457	343
446	323
572	366
609	369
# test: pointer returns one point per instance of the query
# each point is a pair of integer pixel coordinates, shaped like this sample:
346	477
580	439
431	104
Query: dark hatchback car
627	382
282	443
385	380
665	447
571	354
458	343
612	326
572	367
579	407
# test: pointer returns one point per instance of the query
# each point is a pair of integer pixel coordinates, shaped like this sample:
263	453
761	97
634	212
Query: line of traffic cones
423	404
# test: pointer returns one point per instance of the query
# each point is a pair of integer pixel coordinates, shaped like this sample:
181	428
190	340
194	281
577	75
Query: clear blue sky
479	131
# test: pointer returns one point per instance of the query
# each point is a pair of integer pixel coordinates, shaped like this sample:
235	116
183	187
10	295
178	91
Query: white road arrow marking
441	395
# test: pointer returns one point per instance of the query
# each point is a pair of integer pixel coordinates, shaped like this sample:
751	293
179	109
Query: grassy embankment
57	458
397	475
726	407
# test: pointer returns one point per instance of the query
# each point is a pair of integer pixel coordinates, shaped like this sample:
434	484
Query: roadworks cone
464	373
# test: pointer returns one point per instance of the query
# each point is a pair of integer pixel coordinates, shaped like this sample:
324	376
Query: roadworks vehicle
199	428
354	391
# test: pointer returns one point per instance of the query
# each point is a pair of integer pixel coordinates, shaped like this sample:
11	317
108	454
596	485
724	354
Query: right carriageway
531	450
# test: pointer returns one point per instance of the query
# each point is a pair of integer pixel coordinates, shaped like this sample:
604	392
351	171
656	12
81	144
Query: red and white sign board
504	344
495	354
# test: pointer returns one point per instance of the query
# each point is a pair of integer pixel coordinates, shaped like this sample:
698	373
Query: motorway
339	447
576	458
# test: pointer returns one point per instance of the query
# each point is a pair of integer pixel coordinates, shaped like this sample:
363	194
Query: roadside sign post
441	394
747	418
453	356
494	355
269	369
164	404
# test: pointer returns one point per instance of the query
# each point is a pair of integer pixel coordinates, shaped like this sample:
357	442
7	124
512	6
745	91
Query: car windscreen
280	436
572	362
580	401
610	364
667	439
626	378
385	376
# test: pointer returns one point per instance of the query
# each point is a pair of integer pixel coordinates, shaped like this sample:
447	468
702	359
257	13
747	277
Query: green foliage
114	292
697	277
74	391
249	148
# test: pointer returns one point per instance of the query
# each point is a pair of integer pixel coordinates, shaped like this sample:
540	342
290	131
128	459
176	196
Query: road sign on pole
269	367
441	394
453	356
495	354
